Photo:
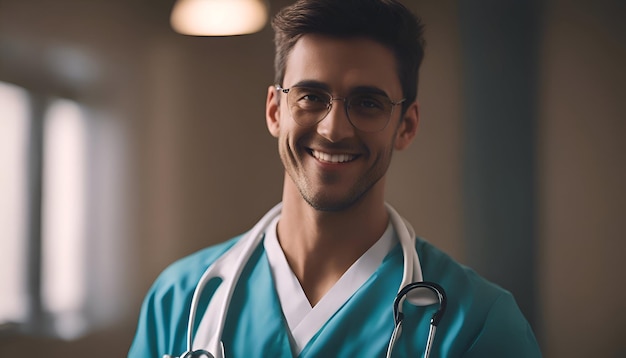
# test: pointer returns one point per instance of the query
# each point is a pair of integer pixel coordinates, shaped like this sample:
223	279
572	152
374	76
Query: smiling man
337	127
319	275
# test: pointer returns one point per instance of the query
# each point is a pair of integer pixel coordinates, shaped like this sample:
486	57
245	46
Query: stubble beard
322	200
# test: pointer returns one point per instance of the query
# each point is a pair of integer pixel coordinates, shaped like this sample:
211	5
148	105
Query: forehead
342	64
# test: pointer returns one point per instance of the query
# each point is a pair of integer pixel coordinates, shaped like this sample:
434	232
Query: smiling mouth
332	158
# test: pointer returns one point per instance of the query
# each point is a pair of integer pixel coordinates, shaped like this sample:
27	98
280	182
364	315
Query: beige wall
202	168
582	176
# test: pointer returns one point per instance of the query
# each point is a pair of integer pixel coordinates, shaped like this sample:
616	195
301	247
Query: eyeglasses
367	112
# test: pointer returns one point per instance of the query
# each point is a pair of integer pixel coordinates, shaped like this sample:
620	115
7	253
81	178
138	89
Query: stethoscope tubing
242	251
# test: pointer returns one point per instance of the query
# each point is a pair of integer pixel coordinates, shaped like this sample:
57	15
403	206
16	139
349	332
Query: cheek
290	132
381	144
287	146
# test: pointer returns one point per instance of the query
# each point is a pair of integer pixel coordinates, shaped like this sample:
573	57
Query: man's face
332	164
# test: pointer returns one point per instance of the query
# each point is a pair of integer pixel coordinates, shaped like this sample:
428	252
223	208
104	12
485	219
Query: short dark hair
386	21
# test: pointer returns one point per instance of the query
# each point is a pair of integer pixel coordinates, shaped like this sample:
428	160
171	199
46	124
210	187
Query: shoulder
483	318
165	309
454	277
184	274
464	286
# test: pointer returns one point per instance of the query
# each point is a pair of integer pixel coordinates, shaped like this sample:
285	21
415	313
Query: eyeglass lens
367	112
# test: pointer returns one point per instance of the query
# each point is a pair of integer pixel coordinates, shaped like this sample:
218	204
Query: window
50	198
64	216
14	120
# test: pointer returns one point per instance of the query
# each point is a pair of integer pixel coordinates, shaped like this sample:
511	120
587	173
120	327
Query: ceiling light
219	17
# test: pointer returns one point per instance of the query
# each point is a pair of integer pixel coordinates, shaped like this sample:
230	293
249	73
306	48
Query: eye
309	98
368	102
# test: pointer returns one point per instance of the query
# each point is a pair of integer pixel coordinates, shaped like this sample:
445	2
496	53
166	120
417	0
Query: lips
332	158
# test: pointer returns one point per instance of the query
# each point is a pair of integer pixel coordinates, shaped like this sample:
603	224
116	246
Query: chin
331	204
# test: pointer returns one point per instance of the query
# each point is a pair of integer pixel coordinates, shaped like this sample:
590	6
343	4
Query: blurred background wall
518	168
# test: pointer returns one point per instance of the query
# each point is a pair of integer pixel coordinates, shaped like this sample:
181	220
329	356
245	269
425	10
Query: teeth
333	158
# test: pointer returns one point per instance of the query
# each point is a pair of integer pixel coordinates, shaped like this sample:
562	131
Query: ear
407	128
272	111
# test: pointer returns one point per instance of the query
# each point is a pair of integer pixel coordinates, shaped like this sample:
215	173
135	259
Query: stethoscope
229	266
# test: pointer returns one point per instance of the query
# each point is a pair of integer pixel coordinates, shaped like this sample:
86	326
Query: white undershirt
303	320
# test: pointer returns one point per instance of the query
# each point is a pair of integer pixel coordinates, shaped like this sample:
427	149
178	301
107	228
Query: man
323	281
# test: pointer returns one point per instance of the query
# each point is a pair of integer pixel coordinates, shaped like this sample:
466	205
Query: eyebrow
355	90
369	90
312	84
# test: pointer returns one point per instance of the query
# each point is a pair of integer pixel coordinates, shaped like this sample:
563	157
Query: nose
336	126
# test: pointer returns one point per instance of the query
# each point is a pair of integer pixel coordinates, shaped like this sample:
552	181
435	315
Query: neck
320	246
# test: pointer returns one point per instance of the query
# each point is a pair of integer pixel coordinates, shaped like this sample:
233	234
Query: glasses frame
329	107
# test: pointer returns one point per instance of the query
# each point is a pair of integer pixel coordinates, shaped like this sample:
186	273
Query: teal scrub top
481	319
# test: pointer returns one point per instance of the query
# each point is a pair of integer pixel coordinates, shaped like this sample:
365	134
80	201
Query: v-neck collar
303	320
